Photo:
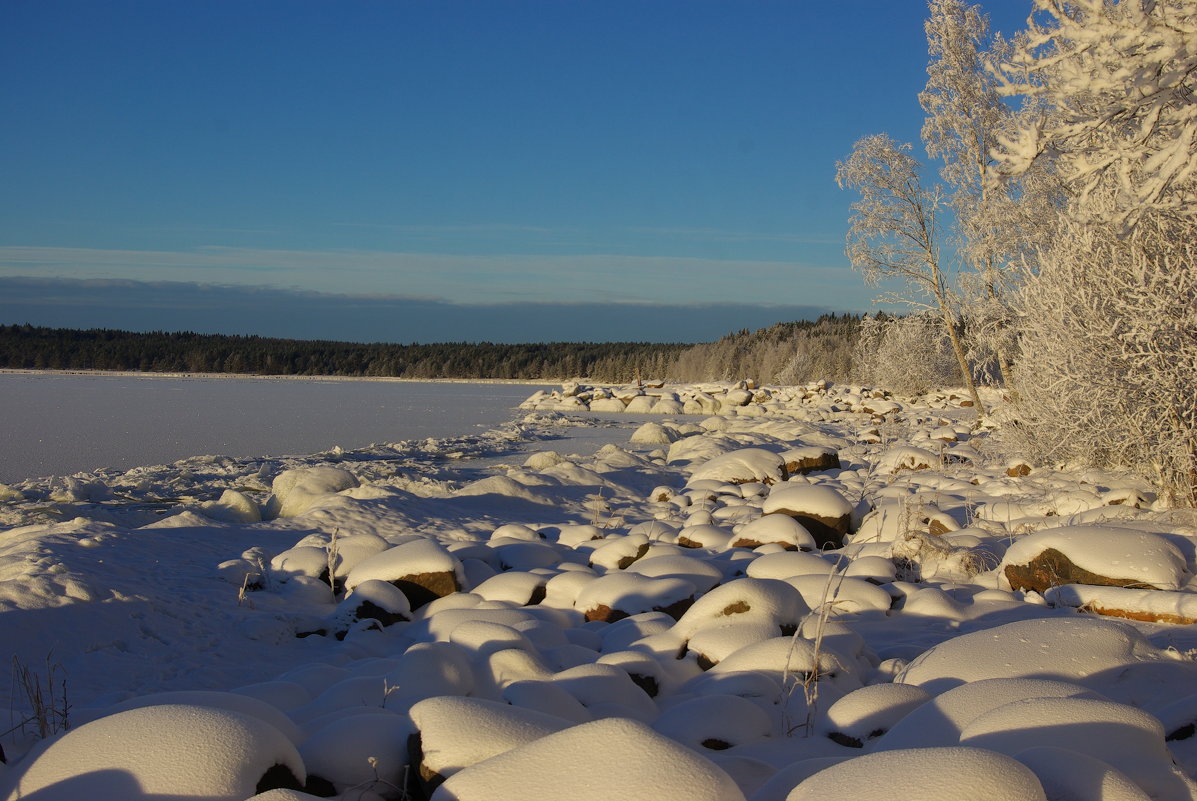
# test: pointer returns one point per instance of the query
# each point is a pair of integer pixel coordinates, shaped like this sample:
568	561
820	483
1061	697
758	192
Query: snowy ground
649	615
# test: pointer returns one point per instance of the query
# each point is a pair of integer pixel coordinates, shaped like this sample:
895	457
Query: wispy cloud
726	235
461	278
471	228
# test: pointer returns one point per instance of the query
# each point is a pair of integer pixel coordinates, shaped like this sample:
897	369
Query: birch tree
894	233
965	116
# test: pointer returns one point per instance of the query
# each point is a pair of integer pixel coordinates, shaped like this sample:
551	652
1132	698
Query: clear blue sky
276	166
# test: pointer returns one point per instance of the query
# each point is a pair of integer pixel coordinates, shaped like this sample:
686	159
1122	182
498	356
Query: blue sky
268	166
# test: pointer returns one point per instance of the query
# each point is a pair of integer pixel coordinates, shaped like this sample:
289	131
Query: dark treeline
33	348
783	353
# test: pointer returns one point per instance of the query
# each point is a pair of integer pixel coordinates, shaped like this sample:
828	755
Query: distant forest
789	352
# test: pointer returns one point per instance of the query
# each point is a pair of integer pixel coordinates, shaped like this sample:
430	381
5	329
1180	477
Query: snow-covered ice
556	607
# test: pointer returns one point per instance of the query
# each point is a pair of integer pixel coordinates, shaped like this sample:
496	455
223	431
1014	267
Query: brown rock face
1051	568
423	588
427	779
1138	614
605	613
829	532
608	615
627	561
824	461
744	542
371	610
937	529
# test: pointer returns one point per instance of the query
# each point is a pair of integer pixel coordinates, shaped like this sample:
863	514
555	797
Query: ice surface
60	424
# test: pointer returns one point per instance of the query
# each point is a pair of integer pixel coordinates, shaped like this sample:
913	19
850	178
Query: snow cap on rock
598	761
170	751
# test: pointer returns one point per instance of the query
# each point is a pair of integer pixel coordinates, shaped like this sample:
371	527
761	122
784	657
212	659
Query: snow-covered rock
1059	648
297	491
1101	555
421	568
613	758
168	751
742	466
823	511
924	774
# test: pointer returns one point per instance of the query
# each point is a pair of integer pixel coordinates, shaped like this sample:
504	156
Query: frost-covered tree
1118	80
1108	317
965	116
894	233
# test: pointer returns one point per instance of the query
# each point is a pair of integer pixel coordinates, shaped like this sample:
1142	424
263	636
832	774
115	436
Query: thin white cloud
469	228
726	235
458	278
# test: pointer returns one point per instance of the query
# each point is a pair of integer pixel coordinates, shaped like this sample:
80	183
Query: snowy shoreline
256	377
820	591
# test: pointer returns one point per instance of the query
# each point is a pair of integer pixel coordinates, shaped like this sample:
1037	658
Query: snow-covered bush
1107	317
1108	372
909	355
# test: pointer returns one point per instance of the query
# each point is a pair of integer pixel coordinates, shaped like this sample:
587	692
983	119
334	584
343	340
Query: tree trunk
966	374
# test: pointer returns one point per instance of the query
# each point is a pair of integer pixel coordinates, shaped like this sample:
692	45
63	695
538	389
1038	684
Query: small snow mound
940	721
1127	738
869	712
232	507
359	750
598	761
505	487
654	434
742	466
1067	774
296	491
715	722
168	751
542	459
456	733
1061	648
924	774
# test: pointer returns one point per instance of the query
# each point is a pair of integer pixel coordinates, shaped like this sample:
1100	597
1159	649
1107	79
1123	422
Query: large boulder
1099	555
1056	648
810	459
421	568
825	513
743	466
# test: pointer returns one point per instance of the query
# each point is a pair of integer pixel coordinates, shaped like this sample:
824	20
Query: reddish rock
423	588
748	542
1051	568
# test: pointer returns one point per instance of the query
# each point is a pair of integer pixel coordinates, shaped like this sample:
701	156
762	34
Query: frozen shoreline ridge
718	592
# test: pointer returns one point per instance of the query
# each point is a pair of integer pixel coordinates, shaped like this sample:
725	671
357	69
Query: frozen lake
54	424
